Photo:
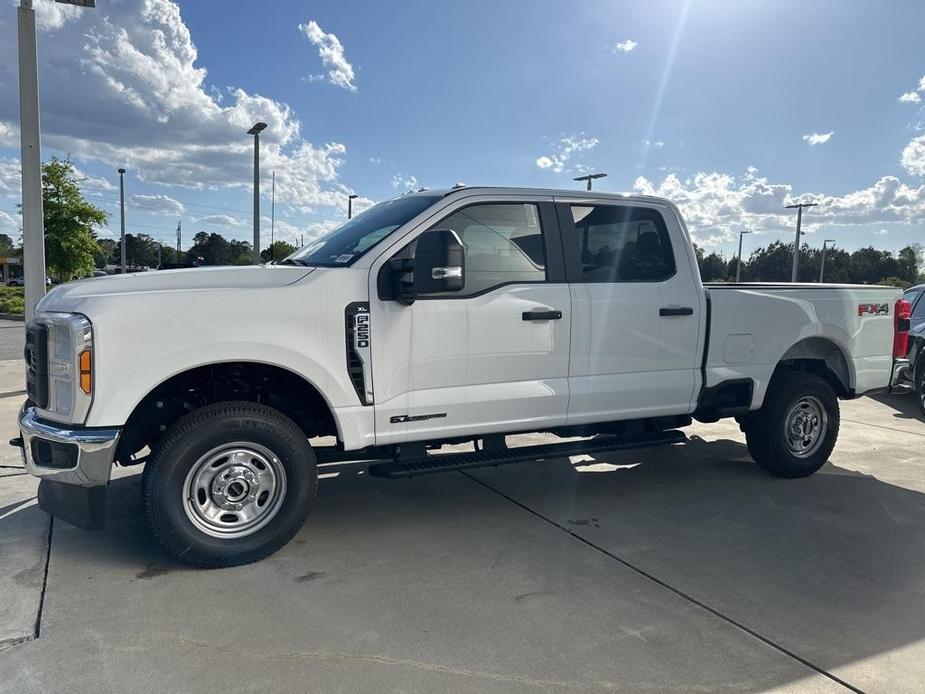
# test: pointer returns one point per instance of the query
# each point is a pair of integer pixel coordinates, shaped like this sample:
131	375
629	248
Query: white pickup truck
438	317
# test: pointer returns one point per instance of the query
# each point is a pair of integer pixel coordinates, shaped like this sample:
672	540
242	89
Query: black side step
450	462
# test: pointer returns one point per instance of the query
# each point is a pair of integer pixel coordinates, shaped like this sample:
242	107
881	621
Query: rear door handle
541	315
676	311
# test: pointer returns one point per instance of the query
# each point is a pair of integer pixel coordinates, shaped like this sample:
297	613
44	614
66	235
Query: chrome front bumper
95	449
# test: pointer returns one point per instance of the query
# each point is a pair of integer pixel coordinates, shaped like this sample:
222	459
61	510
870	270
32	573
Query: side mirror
439	262
439	265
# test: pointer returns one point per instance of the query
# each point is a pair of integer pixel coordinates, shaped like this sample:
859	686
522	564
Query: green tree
277	251
140	251
713	268
7	246
70	220
106	254
772	263
910	262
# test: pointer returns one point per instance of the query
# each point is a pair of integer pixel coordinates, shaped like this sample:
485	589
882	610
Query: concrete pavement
12	339
683	568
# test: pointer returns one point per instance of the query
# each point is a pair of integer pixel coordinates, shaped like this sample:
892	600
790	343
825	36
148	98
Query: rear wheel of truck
229	484
794	432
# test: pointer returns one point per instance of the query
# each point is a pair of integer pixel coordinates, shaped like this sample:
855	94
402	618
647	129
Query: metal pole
122	210
349	207
33	229
822	264
739	261
257	198
272	215
796	246
159	246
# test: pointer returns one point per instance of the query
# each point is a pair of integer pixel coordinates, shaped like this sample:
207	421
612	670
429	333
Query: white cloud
151	110
223	220
624	46
910	98
8	223
881	232
404	183
375	161
10	177
913	156
331	52
158	204
716	205
565	149
818	138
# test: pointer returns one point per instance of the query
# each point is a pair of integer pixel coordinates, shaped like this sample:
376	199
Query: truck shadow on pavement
904	405
830	567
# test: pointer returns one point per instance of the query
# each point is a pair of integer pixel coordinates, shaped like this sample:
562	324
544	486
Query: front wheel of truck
794	432
229	484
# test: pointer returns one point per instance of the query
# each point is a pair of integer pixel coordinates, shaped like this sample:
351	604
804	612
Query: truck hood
183	280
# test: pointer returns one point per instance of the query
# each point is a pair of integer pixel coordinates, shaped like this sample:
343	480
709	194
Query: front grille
36	355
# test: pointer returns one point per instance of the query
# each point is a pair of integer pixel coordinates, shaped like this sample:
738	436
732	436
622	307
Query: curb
12	316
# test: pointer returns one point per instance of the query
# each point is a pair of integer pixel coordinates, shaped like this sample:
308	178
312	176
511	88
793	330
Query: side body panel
628	360
753	326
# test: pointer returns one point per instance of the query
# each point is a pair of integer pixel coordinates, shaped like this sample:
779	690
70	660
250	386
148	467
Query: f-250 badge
874	309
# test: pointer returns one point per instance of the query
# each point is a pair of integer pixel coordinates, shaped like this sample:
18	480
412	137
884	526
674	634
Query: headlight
70	365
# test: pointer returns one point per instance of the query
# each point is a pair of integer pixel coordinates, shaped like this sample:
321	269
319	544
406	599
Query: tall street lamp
739	257
350	205
796	245
33	228
122	215
255	131
589	178
822	263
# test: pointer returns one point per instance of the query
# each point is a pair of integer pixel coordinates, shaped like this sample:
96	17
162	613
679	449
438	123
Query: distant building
10	268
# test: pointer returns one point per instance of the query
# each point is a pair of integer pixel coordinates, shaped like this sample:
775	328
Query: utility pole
159	246
122	215
796	245
33	229
255	131
350	198
301	240
589	178
739	260
178	240
272	216
822	263
33	226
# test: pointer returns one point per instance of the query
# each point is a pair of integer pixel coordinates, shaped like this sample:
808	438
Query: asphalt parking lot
677	569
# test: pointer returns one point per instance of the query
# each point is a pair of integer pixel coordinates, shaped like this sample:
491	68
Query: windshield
349	241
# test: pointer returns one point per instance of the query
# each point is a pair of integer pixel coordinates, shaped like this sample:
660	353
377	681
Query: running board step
451	462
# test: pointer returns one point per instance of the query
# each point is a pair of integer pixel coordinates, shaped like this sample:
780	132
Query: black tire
766	429
919	380
181	451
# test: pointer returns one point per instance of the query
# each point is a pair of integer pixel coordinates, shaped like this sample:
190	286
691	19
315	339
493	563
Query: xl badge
874	309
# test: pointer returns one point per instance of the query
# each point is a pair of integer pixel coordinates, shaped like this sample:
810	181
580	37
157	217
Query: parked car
438	317
915	374
21	282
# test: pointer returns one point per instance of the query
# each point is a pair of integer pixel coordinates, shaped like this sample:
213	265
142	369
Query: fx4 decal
874	309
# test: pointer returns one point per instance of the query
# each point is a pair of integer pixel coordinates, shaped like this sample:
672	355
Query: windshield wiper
291	261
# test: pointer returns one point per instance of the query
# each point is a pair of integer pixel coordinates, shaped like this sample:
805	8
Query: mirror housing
438	266
439	262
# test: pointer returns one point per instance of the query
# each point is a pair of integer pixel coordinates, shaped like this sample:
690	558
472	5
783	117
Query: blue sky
724	106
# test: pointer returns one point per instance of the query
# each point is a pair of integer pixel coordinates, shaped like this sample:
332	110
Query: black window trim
552	245
573	259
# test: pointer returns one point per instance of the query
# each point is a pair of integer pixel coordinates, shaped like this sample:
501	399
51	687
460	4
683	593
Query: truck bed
753	326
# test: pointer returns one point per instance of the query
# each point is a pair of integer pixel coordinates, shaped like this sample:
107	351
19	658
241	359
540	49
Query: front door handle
676	311
542	315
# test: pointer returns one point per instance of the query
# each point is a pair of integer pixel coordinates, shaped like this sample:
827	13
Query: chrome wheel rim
805	426
922	389
234	490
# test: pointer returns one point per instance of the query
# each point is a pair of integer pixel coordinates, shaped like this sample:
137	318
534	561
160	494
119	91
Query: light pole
350	198
822	263
255	131
796	246
122	215
33	227
739	261
589	178
272	216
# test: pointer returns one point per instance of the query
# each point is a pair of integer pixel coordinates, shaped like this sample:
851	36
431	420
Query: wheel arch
823	357
276	386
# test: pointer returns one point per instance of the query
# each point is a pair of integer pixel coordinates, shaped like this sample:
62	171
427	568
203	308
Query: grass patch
12	300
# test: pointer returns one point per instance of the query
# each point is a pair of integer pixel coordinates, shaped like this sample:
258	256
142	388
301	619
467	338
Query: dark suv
916	297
